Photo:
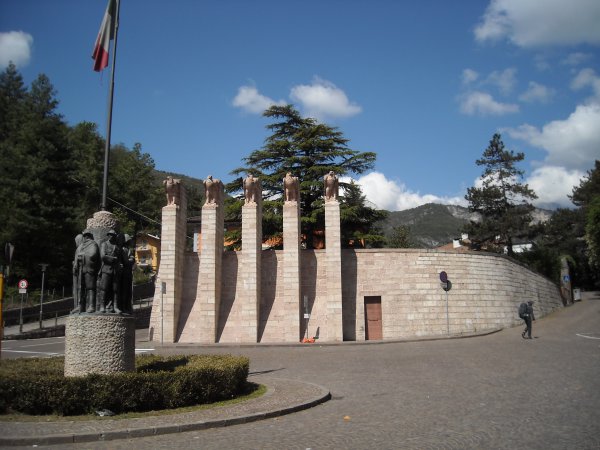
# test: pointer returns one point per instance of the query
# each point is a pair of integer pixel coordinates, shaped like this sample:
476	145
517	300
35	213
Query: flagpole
110	108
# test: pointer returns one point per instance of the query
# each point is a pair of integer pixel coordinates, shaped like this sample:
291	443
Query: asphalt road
55	346
491	392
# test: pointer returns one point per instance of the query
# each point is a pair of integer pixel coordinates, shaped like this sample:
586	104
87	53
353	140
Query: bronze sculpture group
102	274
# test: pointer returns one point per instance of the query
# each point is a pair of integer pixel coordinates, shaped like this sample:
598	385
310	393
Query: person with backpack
526	313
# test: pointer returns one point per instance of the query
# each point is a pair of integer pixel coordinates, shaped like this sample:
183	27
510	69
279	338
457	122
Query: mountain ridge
433	225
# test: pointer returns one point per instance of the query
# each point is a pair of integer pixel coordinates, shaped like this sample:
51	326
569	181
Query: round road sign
23	284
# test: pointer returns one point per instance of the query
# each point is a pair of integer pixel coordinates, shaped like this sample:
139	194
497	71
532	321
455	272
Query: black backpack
522	310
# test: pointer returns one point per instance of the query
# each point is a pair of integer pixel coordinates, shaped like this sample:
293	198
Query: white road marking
587	337
36	353
143	350
39	345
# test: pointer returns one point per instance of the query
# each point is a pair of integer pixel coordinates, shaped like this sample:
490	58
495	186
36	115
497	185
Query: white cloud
587	78
15	46
323	99
541	63
533	23
553	184
394	196
572	143
469	76
249	99
482	103
504	80
577	58
537	93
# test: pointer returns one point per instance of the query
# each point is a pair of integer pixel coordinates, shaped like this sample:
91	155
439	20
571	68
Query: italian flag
105	35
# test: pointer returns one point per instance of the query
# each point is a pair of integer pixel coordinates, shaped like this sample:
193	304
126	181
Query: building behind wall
147	251
333	294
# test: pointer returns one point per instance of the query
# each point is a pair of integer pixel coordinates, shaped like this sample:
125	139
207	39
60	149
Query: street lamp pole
42	296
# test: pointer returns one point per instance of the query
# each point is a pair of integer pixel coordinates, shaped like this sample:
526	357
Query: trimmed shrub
37	386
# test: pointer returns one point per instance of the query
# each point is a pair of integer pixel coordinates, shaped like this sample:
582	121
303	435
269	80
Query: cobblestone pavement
491	392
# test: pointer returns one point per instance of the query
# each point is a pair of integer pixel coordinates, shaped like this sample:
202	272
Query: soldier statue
85	270
109	277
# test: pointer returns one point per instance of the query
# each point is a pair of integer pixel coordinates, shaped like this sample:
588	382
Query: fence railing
142	297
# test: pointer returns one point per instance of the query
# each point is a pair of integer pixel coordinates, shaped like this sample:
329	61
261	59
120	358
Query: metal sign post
1	306
21	313
447	316
23	291
446	285
163	290
44	266
306	314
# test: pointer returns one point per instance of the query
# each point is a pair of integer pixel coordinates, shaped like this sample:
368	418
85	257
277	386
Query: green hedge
38	386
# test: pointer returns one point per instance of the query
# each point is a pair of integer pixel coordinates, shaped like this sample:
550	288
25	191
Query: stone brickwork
166	307
486	291
242	307
100	343
332	329
257	296
289	309
200	322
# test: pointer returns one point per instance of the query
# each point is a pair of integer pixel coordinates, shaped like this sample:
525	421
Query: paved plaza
487	392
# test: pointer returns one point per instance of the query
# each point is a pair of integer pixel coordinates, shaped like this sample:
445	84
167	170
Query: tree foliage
51	179
573	234
400	237
309	150
502	200
36	171
587	197
358	219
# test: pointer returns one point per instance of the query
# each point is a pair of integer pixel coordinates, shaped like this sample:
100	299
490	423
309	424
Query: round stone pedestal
99	343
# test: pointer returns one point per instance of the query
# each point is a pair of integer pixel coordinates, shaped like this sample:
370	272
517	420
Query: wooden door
373	326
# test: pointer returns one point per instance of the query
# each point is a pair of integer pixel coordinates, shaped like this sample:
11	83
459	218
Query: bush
37	386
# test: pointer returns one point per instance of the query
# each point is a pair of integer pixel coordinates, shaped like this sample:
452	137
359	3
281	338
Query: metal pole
42	294
21	315
447	317
1	306
110	108
163	290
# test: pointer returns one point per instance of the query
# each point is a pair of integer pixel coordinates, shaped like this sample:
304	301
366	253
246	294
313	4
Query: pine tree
502	200
400	237
309	150
358	219
587	197
36	166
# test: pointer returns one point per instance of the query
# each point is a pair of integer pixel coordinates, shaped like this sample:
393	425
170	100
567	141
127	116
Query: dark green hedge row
37	386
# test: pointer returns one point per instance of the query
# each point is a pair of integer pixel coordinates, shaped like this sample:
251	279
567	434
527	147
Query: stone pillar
99	343
201	325
291	271
333	250
100	223
250	270
166	307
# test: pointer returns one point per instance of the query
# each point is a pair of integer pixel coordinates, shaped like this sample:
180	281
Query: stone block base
96	343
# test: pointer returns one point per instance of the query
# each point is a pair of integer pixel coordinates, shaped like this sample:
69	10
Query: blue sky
423	84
